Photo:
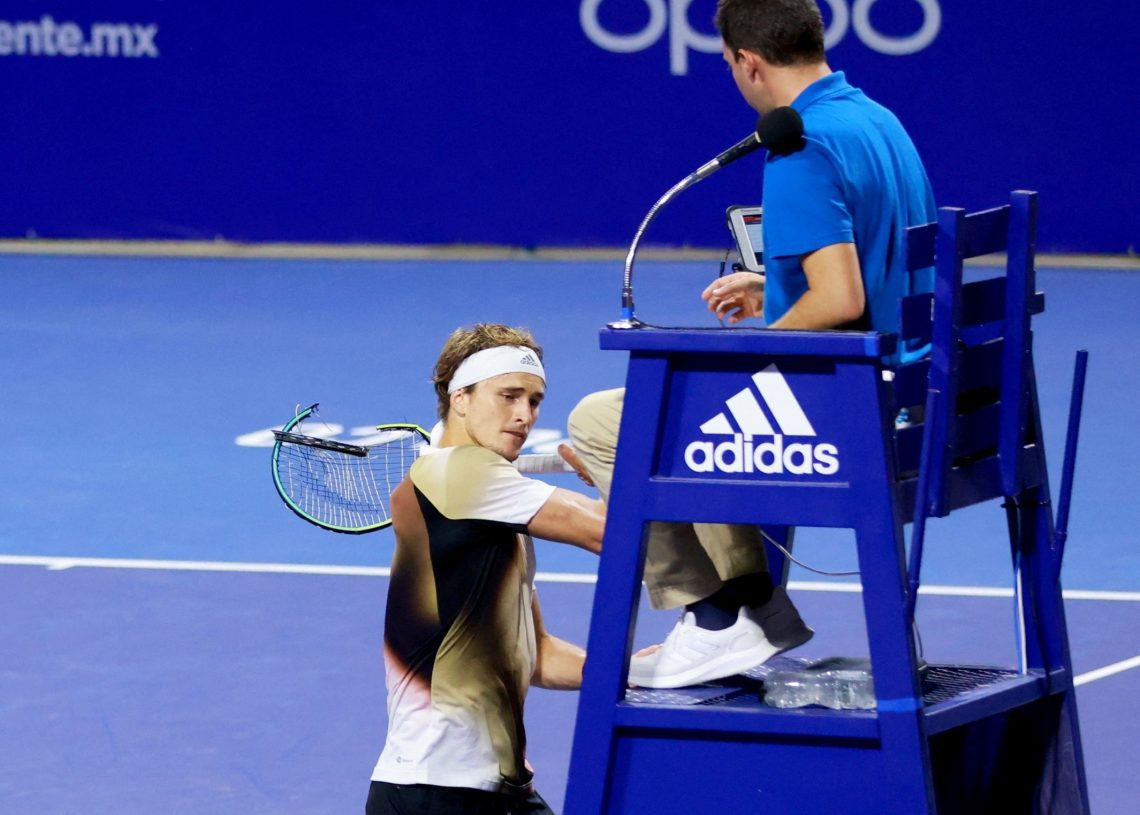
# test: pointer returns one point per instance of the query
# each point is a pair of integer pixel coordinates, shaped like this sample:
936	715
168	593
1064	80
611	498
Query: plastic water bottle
840	683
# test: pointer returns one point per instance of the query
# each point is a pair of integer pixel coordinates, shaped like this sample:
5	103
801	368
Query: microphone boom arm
781	130
628	320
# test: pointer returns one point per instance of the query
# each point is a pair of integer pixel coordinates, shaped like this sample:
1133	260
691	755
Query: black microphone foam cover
781	130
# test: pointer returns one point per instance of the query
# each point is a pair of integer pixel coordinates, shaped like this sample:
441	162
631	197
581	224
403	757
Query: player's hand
571	457
736	296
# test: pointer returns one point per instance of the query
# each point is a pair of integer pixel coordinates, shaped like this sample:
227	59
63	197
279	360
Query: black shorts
425	799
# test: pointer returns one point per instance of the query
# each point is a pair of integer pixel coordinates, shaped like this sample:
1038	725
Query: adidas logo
741	455
528	359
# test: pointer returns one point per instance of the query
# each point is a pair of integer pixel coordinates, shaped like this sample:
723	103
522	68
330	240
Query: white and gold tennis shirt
459	641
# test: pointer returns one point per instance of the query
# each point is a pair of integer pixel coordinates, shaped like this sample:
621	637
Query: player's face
498	413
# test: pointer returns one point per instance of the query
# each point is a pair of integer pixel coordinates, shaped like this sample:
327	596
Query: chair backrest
981	442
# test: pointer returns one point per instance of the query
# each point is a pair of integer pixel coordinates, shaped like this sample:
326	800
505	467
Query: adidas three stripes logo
784	417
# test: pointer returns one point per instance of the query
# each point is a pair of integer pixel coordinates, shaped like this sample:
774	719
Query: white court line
970	591
1107	670
61	563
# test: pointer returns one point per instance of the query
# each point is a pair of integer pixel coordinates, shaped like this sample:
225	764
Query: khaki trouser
683	562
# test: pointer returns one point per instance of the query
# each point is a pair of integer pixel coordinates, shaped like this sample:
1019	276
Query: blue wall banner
524	123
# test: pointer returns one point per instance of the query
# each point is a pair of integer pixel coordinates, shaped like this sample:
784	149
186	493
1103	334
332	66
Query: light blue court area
138	393
129	383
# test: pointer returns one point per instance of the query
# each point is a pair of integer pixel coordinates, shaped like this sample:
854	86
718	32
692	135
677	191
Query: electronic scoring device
746	226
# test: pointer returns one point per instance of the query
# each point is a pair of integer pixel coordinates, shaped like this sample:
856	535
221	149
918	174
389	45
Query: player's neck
454	434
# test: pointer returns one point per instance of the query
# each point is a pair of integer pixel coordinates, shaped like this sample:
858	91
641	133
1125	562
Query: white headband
502	359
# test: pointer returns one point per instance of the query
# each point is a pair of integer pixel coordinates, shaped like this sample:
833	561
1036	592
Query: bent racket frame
338	486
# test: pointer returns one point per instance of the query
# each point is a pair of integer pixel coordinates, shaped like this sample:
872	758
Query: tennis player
463	632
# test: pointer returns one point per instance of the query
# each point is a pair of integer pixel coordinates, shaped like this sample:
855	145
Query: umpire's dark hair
783	32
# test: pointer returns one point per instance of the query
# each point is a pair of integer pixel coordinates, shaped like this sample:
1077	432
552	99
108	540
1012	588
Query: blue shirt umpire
835	219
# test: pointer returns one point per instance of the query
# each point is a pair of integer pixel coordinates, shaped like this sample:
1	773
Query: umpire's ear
751	63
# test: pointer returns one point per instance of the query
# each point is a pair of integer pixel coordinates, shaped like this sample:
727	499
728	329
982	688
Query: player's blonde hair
464	342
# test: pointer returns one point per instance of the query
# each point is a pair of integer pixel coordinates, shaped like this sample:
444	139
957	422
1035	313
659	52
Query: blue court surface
173	639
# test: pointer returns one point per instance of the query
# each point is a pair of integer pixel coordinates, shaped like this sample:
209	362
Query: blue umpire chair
942	738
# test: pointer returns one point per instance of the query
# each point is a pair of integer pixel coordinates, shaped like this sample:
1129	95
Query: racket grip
535	463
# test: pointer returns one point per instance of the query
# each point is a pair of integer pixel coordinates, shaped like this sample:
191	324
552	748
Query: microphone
780	130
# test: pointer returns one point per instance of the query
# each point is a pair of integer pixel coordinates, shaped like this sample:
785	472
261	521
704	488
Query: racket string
345	491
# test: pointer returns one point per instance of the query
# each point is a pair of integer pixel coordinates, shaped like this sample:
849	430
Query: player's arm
570	517
835	294
559	665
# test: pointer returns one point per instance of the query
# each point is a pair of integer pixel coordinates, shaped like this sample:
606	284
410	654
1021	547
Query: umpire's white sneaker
691	655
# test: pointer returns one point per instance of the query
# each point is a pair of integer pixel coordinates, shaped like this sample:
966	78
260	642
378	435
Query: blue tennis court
174	638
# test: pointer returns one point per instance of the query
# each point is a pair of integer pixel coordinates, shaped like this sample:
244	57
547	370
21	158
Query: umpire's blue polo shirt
858	180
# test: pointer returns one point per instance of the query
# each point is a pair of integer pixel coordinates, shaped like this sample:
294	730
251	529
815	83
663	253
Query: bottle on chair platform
839	683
